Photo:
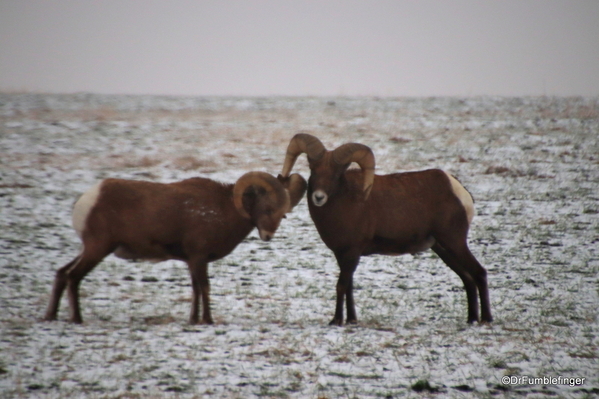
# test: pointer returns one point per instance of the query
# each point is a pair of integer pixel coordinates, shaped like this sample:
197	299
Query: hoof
336	322
198	322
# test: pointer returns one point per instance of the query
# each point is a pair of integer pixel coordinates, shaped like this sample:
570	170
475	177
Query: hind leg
92	254
60	283
459	258
469	284
479	274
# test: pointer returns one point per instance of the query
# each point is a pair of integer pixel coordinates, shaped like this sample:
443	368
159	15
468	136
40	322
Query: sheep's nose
266	235
319	198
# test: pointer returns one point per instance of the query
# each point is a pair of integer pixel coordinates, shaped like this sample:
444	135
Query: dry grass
530	163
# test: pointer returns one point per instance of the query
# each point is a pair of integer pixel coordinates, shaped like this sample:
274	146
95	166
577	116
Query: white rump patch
463	195
82	207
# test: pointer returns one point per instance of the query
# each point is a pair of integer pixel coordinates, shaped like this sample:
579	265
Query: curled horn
274	189
300	143
363	156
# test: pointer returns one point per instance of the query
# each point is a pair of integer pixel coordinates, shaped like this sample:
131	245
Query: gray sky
301	47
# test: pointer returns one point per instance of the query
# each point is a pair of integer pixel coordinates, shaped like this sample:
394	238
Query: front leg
341	290
349	297
198	269
348	262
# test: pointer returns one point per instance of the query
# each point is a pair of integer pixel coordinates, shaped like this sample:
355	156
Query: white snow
531	164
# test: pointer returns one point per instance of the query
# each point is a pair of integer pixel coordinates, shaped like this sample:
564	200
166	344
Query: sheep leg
472	274
469	284
60	283
200	286
88	260
341	290
479	273
348	262
349	301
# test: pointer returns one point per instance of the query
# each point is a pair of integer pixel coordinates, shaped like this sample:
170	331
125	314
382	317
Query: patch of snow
530	163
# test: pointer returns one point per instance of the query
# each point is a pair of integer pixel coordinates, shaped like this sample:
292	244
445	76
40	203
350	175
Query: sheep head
261	198
327	167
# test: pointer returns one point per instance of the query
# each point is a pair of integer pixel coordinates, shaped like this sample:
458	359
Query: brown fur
194	220
404	213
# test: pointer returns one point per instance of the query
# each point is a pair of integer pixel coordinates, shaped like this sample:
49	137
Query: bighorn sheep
360	213
196	220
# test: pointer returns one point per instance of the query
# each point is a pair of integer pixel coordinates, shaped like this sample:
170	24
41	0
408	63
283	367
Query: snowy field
532	165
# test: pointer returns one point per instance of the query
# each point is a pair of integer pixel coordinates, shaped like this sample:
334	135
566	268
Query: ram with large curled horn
196	220
358	213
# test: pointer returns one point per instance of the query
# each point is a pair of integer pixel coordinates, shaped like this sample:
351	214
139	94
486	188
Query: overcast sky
301	47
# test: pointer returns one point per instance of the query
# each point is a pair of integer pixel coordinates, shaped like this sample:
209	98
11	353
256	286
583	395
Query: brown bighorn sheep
359	213
196	220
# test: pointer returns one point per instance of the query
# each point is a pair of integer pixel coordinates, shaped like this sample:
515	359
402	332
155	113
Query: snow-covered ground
532	165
